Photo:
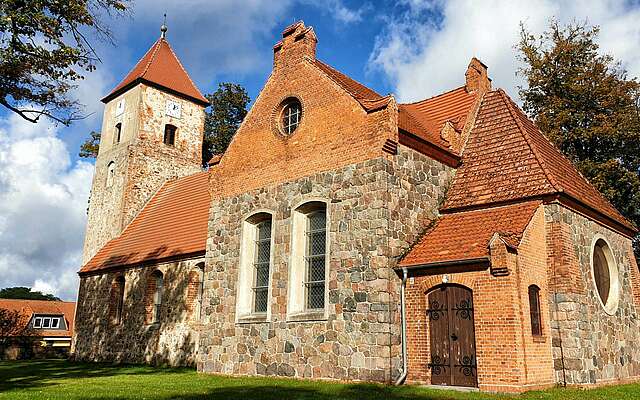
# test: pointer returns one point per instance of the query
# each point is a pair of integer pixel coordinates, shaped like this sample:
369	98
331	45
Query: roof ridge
183	69
434	96
510	106
155	47
348	77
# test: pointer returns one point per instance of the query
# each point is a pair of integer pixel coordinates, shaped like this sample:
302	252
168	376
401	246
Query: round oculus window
605	275
290	116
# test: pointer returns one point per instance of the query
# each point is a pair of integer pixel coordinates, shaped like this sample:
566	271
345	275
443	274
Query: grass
58	379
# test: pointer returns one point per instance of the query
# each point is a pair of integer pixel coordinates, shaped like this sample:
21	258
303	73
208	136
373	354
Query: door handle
454	337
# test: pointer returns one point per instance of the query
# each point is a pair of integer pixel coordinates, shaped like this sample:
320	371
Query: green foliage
20	292
587	105
44	49
90	147
228	109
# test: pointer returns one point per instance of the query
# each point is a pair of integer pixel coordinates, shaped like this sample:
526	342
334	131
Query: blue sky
411	48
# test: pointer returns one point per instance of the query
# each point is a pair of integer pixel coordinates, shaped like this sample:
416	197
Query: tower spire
163	28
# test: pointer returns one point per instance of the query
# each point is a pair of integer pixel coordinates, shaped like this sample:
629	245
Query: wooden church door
452	337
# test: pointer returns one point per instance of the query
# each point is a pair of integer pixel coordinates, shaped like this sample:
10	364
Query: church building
344	235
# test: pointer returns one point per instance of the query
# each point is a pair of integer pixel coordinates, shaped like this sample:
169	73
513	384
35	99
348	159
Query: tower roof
160	67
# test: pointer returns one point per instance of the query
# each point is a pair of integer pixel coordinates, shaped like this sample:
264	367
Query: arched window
170	134
111	173
195	291
534	310
308	273
153	297
117	132
291	115
255	267
117	299
605	275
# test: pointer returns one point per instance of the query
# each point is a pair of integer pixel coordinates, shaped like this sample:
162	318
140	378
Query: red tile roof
42	307
465	235
453	106
160	66
173	223
507	158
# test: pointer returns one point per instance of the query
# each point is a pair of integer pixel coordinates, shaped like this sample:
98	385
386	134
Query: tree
44	50
90	147
20	292
588	107
228	109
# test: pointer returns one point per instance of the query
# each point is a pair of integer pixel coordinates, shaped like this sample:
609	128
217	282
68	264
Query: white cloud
43	198
427	46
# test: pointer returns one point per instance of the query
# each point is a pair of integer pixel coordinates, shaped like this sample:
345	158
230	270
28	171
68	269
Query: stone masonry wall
142	161
592	346
375	209
172	341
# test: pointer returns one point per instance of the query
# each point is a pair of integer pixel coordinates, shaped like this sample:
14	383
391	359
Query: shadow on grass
39	373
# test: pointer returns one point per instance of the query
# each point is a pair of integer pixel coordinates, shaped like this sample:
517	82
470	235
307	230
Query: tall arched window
255	267
117	132
153	297
307	279
534	310
117	299
195	291
170	134
111	173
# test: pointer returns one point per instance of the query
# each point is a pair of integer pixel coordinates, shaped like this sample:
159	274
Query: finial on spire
163	28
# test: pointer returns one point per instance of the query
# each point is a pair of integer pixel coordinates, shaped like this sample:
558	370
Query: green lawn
55	379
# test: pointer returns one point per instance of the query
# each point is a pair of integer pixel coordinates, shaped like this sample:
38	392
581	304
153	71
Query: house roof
508	159
172	224
465	235
160	66
27	308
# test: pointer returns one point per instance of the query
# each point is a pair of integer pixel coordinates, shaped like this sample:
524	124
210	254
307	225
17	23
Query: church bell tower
152	131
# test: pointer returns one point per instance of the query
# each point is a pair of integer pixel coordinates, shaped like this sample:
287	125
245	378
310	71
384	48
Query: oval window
291	115
605	275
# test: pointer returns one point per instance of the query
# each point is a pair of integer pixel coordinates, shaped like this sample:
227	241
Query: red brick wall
334	131
509	358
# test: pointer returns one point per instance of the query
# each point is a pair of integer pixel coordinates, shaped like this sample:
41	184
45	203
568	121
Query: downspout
405	369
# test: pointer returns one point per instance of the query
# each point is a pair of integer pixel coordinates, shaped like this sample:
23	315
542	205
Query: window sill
539	339
307	316
252	319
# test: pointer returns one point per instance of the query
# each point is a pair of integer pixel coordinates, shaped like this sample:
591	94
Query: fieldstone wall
172	341
142	161
589	345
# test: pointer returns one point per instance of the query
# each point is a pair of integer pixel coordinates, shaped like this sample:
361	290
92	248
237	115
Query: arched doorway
452	336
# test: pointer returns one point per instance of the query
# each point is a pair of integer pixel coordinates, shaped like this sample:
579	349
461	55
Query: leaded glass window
291	115
261	266
315	259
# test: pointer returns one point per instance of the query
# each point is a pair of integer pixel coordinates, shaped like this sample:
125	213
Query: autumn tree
90	147
45	48
228	109
587	105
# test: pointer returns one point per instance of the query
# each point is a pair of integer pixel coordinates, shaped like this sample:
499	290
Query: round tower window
291	115
605	275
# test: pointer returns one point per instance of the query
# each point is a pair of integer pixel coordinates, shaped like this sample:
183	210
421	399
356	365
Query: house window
534	310
117	299
195	291
315	259
261	266
117	132
170	134
111	173
291	115
307	276
255	263
605	275
55	323
37	322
